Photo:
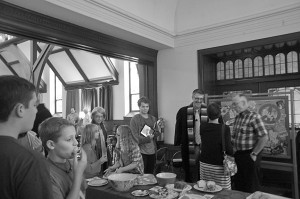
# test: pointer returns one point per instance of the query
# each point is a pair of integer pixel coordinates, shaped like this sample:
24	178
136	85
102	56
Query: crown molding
271	23
112	15
274	22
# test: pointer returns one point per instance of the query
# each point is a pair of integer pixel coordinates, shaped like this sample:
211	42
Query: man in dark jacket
187	131
42	114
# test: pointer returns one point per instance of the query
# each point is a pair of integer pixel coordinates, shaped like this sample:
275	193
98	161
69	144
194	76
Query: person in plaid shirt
249	138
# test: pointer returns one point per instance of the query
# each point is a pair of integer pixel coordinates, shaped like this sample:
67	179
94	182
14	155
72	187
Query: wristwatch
253	153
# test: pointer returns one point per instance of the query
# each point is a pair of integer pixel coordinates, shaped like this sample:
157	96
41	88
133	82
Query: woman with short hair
211	157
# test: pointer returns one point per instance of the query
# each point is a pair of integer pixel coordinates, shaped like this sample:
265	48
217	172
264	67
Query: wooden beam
40	64
8	65
54	70
78	67
58	50
13	62
111	68
16	40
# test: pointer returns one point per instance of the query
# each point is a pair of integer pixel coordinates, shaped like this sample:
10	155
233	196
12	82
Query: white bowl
122	181
165	178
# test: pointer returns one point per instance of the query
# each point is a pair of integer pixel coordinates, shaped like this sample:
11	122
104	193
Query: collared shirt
247	127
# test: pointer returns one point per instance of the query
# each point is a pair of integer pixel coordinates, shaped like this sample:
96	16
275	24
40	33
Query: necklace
66	167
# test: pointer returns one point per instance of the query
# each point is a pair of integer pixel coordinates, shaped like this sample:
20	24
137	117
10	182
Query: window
229	70
296	101
134	87
220	71
258	67
280	64
292	62
131	86
248	67
55	94
58	96
238	66
269	65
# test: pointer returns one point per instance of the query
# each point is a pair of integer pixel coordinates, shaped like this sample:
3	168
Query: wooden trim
20	21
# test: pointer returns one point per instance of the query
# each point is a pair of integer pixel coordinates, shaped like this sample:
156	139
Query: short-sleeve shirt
23	172
247	128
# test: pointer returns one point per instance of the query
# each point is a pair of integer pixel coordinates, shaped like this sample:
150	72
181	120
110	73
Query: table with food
162	186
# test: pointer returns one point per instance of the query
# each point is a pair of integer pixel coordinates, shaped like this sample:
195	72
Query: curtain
72	101
89	99
147	80
106	100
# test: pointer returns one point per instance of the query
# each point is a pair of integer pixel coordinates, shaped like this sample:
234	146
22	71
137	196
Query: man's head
239	103
198	97
17	99
58	137
144	105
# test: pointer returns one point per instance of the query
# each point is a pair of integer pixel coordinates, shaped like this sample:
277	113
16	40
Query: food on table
260	195
211	185
202	184
140	193
158	192
146	179
180	185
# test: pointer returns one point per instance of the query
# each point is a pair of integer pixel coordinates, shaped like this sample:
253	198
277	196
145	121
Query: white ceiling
155	23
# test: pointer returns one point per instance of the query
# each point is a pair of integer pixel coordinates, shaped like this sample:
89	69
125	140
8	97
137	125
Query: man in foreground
23	172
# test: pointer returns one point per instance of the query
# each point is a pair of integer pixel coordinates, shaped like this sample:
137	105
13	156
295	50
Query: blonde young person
66	170
89	136
129	158
98	116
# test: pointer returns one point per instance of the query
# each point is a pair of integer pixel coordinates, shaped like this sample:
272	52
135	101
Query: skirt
214	173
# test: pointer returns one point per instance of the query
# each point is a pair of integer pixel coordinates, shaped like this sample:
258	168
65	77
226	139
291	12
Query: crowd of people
245	142
53	163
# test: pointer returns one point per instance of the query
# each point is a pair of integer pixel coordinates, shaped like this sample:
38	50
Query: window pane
134	100
134	79
58	89
229	70
248	67
269	65
280	63
292	62
59	106
220	71
238	66
258	66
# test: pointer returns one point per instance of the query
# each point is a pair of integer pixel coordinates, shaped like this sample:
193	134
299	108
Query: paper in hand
146	131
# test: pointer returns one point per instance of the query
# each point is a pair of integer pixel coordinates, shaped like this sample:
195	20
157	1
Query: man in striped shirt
249	138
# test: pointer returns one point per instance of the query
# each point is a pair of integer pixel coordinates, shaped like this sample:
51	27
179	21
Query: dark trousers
149	163
247	177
